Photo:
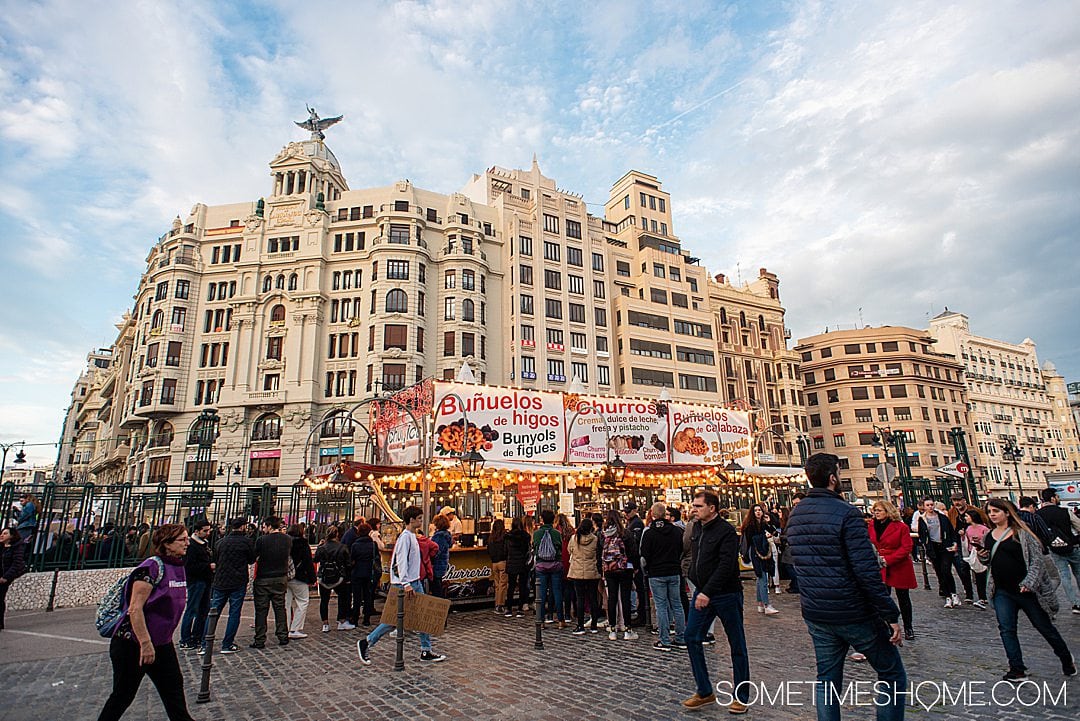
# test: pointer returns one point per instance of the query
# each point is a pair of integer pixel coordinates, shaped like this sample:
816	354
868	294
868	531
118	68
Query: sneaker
956	601
1069	667
1013	675
326	628
549	620
499	610
508	614
760	608
948	602
737	707
254	645
601	623
392	634
185	645
909	634
432	656
709	640
612	636
345	626
519	614
980	604
297	634
857	656
594	629
283	641
770	611
696	701
201	651
362	651
579	631
969	601
1076	609
654	631
681	645
630	636
230	649
660	646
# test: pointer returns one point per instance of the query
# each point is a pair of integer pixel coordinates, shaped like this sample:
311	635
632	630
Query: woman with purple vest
157	592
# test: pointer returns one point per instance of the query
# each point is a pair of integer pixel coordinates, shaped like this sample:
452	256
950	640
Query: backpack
112	608
331	573
614	557
545	552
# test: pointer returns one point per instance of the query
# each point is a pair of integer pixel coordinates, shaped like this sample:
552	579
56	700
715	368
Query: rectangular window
852	348
860	393
695	355
836	418
863	415
395	336
839	440
598	289
527	304
656	295
552	308
264	467
659	270
183	288
697	383
647	377
168	391
397	269
898	391
273	347
468	280
525	274
450	279
551	224
576	312
172	353
598	262
468	344
579	342
525	245
603	375
551	251
448	343
448	309
581	370
556	370
573	256
553	279
575	284
162	291
573	229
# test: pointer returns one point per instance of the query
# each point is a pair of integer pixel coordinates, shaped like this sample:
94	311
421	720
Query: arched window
277	314
337	423
163	435
397	301
468	310
197	427
267	428
292	281
723	315
761	322
280	282
157	320
268	283
742	319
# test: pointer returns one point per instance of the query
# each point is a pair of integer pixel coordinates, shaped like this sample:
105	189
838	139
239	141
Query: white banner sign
503	423
636	430
708	435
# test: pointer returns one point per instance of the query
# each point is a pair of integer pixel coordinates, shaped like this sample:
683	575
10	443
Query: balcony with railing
255	398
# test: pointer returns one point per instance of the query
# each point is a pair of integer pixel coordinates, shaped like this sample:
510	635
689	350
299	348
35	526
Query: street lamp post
885	437
20	457
1010	451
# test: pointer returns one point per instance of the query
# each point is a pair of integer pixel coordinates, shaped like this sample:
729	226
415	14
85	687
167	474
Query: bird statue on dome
316	124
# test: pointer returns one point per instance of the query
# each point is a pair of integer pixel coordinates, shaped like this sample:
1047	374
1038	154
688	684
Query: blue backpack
112	608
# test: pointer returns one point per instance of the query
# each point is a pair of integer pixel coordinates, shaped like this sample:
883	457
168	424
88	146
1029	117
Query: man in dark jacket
636	526
661	555
232	556
1064	543
844	601
939	539
200	574
714	571
272	553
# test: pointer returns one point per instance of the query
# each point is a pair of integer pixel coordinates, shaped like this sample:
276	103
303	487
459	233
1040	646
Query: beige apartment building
1009	401
277	311
892	377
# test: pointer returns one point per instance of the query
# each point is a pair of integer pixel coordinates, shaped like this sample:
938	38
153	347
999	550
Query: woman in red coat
892	539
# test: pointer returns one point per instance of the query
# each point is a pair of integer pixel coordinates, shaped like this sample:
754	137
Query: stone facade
30	592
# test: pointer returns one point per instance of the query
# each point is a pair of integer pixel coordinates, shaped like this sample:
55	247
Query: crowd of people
615	572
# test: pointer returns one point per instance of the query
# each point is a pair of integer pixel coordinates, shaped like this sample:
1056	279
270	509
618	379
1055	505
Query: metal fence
92	526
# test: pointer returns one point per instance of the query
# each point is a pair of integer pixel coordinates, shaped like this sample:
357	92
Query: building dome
1049	367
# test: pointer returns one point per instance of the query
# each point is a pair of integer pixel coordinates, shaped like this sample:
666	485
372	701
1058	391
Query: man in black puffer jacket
844	601
233	554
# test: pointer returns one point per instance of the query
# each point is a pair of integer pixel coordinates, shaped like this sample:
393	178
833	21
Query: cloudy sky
885	159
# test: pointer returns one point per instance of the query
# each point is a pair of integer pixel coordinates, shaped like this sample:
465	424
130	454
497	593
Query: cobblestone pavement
493	672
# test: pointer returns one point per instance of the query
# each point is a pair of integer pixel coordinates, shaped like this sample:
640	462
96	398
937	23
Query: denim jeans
667	598
728	607
193	623
384	628
1007	607
871	638
554	580
236	601
1066	565
763	588
963	570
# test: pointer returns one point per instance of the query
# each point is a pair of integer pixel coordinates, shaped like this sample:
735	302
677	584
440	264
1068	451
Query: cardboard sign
423	613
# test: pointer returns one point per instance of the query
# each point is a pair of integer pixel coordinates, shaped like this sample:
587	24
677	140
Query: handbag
974	562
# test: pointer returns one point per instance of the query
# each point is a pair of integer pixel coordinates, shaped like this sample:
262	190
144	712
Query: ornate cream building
890	377
1010	400
278	310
